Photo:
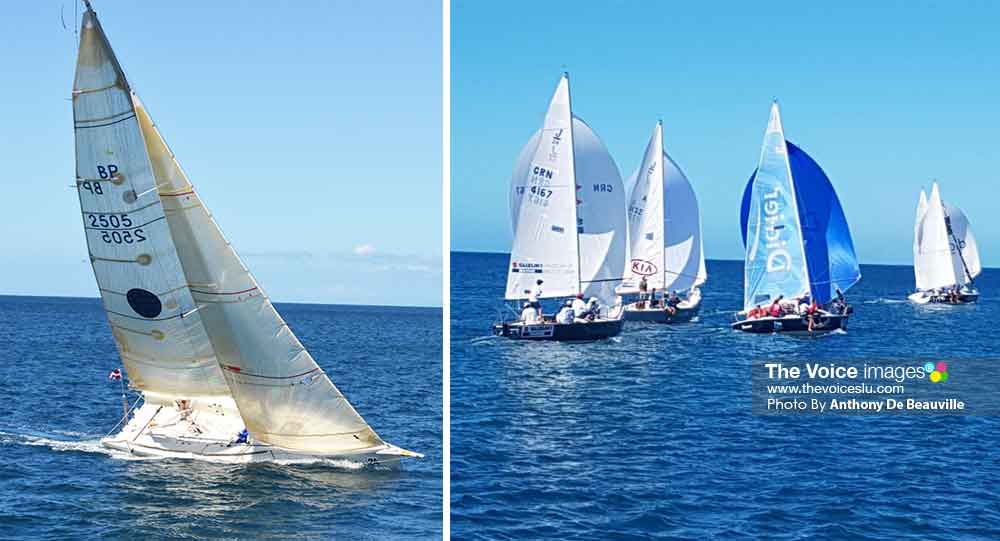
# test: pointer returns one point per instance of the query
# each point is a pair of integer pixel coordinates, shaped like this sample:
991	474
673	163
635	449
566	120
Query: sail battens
241	372
140	318
126	114
255	288
131	211
81	91
176	194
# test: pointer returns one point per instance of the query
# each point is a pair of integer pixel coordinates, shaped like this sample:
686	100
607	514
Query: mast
576	199
663	203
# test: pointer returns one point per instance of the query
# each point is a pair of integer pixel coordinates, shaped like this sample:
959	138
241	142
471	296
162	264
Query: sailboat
567	205
221	375
945	253
665	237
799	252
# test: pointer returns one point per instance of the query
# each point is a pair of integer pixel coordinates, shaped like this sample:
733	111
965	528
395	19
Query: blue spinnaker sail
830	255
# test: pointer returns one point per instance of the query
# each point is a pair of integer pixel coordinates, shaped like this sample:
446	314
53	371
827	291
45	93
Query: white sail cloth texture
664	224
156	328
599	209
283	396
544	216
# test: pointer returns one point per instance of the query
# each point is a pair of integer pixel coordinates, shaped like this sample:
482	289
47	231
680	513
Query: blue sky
886	96
311	129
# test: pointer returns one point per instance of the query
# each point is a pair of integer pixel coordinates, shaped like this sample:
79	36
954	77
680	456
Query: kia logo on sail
643	267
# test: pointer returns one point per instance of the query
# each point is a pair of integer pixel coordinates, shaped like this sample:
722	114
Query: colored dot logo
938	373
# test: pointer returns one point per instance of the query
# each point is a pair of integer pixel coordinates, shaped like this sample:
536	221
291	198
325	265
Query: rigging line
189	192
603	280
225	293
144	318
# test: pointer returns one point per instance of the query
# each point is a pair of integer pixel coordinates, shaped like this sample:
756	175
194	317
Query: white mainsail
664	224
938	266
153	317
213	312
593	198
545	234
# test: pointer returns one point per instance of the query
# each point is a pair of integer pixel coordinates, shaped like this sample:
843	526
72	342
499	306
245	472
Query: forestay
156	326
775	263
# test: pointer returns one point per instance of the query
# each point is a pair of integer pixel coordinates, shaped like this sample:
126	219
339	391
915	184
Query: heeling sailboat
798	244
568	216
945	253
198	337
665	239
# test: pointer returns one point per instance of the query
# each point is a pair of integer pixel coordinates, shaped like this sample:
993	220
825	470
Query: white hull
207	431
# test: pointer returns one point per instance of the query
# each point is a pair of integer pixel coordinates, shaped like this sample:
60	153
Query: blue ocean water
650	434
56	402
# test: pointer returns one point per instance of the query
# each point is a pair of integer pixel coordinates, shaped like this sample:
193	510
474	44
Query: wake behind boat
568	214
221	374
799	254
945	253
666	255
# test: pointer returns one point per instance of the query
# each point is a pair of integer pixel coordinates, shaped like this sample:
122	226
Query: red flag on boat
115	375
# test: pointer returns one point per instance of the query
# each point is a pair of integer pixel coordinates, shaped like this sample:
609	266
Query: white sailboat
665	240
199	339
568	215
800	257
945	253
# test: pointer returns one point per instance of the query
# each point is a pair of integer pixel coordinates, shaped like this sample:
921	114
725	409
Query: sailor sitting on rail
566	314
530	313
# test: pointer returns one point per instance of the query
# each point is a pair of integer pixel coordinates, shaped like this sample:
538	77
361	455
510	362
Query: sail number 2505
110	223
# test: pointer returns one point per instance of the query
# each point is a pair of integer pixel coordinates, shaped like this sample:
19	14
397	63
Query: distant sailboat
665	235
798	244
222	376
568	215
945	253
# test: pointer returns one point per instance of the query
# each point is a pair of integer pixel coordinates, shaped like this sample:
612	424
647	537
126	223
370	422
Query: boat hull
659	315
561	332
792	325
164	431
922	297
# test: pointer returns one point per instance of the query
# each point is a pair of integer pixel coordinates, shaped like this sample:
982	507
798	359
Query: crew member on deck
565	315
530	313
670	305
579	307
535	294
643	290
775	309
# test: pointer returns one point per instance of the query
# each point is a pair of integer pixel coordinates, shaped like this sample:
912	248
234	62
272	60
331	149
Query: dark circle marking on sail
144	303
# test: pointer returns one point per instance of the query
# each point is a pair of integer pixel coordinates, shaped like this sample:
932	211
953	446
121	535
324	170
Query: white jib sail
965	251
153	317
918	262
934	256
545	244
284	397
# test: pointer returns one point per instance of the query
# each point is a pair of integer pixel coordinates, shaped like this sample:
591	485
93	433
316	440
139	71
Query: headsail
775	261
830	260
153	317
964	250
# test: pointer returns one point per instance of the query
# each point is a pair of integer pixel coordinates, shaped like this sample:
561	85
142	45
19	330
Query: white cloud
364	249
